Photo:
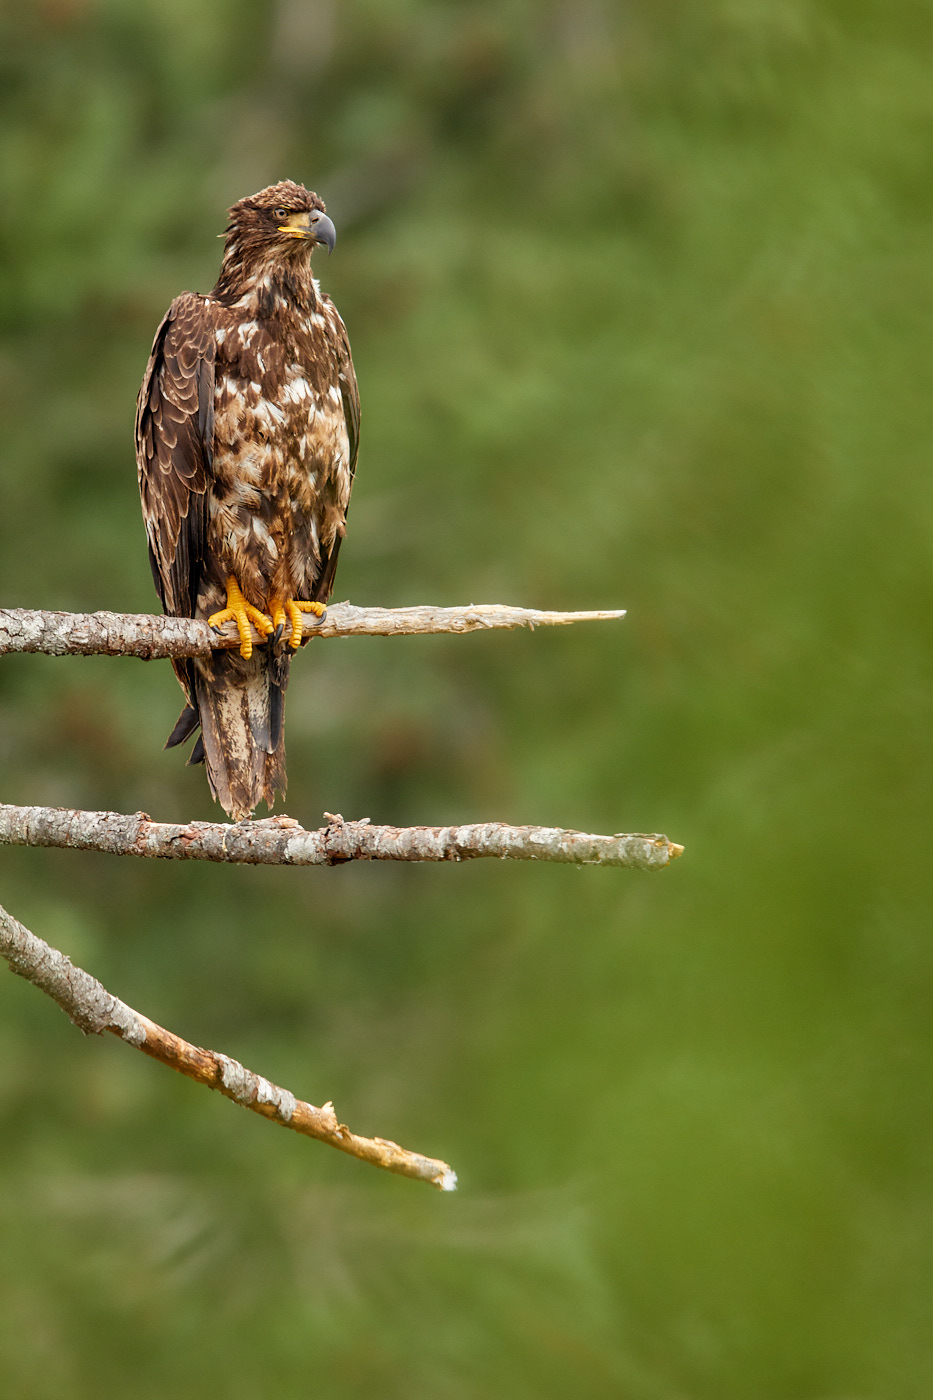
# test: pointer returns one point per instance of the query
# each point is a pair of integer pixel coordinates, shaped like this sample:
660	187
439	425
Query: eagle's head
280	220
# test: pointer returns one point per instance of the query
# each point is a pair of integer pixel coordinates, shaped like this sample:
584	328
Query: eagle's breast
281	471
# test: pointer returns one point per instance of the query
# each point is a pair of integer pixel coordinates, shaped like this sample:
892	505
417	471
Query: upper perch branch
148	636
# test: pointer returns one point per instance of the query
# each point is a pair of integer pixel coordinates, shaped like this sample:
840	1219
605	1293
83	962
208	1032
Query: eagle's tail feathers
241	703
279	664
185	726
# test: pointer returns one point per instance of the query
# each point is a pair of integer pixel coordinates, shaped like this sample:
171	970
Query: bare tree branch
150	637
94	1010
282	841
275	841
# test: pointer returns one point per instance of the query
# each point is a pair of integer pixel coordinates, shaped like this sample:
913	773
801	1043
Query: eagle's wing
350	394
350	397
174	449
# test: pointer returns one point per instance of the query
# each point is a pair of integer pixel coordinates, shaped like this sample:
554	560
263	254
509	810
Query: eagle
247	426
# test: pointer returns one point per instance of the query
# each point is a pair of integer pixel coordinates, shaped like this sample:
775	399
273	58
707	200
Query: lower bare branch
94	1010
150	637
281	841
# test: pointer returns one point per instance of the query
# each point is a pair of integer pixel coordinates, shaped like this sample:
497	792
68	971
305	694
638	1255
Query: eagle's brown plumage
246	439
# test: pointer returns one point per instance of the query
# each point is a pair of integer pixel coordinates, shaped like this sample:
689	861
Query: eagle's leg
292	608
242	613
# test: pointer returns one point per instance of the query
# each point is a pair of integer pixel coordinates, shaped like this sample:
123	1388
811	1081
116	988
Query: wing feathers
350	401
174	430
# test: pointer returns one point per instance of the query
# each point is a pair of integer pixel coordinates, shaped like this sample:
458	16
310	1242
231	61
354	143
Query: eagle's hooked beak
314	225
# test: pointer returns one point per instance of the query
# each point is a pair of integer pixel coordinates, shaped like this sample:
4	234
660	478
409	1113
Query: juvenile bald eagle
246	438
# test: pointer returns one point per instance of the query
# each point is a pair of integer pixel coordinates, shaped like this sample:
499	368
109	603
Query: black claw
277	634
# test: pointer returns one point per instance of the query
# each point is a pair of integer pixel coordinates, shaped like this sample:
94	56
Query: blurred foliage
640	299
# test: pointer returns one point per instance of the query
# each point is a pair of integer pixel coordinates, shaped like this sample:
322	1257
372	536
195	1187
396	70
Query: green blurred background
640	299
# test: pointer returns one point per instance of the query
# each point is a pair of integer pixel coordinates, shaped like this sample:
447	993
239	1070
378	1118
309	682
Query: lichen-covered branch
282	841
150	637
95	1010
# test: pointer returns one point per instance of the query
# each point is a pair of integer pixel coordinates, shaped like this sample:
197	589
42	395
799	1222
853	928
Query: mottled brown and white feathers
246	433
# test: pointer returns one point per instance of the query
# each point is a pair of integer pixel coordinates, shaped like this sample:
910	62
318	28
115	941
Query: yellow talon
292	608
277	613
242	613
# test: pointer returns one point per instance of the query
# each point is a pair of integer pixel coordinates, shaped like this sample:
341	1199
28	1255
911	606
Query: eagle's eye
280	213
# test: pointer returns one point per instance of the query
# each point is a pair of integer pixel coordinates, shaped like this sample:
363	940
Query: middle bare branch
282	841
